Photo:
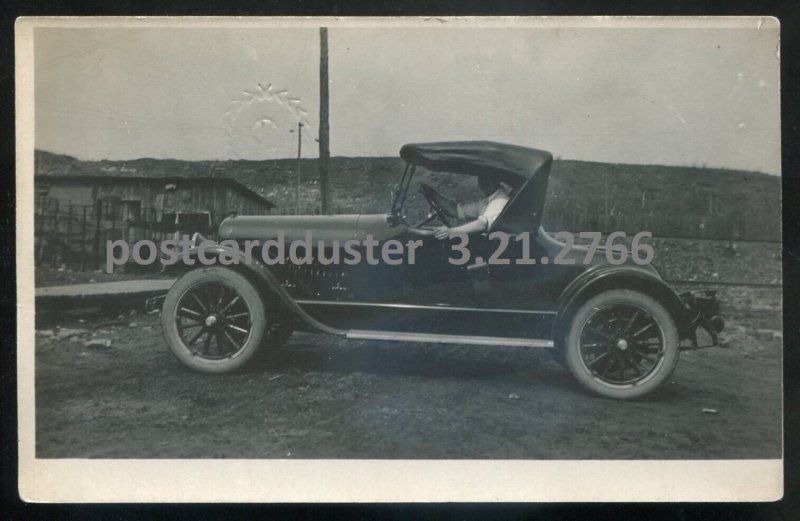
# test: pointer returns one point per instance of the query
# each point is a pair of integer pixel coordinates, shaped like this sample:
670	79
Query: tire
622	344
214	320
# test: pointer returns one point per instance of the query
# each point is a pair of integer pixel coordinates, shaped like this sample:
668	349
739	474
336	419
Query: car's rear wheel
214	320
622	344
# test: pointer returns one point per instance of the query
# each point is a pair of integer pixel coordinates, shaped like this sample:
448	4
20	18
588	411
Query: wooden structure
77	214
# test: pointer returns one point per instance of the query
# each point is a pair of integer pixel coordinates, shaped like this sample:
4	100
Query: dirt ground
330	398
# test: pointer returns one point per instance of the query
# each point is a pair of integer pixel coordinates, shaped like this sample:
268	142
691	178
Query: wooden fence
75	236
736	227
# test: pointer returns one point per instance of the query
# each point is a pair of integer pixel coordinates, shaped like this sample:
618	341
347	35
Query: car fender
256	272
627	276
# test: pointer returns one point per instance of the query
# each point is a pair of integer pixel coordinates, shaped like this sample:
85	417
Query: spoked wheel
622	344
214	320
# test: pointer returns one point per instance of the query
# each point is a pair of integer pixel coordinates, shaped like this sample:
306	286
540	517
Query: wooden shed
76	214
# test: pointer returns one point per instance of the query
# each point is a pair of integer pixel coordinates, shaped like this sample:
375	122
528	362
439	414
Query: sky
692	95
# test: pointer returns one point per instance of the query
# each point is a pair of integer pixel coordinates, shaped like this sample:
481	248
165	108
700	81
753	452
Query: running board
448	339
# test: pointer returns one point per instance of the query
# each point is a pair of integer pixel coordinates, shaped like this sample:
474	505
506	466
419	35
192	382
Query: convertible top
510	163
527	170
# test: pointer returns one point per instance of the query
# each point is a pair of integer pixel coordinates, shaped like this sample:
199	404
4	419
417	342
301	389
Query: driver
482	212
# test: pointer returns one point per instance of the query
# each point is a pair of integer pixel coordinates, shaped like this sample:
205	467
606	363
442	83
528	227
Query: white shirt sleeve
493	211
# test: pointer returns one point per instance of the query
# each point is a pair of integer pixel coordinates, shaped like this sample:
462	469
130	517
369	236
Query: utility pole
324	126
605	202
297	176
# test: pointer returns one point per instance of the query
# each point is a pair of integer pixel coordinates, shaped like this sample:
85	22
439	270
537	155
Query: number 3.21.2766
615	252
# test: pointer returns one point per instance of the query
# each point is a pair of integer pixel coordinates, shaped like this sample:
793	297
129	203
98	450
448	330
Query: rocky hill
585	188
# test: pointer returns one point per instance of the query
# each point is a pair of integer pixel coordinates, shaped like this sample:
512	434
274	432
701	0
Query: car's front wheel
214	320
622	344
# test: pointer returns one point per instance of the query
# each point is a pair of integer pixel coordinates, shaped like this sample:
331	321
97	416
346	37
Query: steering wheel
427	192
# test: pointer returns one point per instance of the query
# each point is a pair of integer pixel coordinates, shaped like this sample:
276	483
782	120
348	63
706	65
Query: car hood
322	227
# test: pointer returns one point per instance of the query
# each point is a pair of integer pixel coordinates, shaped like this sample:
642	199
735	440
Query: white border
104	481
73	480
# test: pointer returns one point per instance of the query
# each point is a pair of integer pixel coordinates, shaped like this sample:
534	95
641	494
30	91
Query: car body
616	327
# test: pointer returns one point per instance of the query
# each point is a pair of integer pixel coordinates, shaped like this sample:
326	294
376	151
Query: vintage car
617	327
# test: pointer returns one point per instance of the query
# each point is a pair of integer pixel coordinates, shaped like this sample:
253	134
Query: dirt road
328	398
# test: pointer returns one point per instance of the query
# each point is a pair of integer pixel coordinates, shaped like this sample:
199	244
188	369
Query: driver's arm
482	224
476	226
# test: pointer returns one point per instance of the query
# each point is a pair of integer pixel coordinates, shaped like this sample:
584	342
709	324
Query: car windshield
399	199
410	204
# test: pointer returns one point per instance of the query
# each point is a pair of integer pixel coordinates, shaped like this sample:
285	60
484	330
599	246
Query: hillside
589	189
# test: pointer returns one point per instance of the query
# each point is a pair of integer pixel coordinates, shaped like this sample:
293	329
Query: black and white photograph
399	259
